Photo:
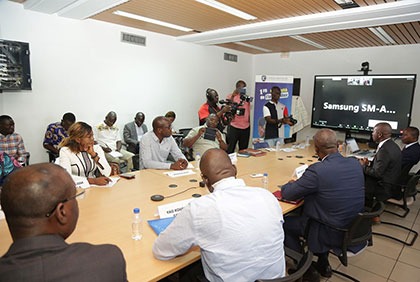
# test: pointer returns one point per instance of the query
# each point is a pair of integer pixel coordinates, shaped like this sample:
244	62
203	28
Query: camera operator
238	130
211	107
275	114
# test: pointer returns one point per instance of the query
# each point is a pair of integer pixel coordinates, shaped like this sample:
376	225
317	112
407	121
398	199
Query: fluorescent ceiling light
252	46
382	35
83	9
227	9
307	41
153	21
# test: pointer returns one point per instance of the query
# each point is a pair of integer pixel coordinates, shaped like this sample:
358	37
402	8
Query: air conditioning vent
133	39
231	57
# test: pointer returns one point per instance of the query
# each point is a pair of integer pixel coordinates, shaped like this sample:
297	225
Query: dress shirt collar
408	145
227	183
381	143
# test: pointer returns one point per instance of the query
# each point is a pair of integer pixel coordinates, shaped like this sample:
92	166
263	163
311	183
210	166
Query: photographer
275	114
211	107
239	128
205	137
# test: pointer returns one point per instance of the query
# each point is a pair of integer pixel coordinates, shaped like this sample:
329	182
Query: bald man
108	137
333	190
238	228
156	145
41	210
133	132
385	168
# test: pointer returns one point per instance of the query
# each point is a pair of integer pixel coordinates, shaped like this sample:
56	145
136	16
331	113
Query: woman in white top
79	156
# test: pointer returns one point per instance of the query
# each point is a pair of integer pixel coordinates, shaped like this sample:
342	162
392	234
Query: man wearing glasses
39	202
156	145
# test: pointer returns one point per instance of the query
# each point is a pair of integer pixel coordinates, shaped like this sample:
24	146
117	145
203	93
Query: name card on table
299	171
172	209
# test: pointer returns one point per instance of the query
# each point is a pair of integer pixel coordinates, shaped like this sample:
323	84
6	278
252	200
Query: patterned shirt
55	134
12	145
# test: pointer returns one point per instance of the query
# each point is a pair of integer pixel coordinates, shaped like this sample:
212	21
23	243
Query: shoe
311	275
323	270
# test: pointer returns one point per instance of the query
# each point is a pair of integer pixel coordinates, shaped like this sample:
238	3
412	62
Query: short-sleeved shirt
55	134
108	136
202	145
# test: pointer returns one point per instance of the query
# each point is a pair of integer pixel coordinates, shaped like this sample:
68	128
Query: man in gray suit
133	132
40	204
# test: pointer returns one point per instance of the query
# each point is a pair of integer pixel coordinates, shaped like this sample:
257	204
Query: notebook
158	225
355	150
277	194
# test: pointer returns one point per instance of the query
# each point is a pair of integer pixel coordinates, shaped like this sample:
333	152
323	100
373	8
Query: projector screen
355	103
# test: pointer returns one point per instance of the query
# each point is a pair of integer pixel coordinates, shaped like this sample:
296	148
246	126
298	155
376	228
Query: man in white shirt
239	229
108	137
156	145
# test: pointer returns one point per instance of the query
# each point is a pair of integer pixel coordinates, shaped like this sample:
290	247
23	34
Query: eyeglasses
79	193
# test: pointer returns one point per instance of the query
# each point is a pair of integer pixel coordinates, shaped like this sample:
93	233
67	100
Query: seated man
56	132
108	137
156	145
11	142
333	190
133	132
41	210
385	169
201	140
410	154
238	228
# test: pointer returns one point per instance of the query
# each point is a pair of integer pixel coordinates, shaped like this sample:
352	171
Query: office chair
304	261
408	190
179	138
359	232
51	156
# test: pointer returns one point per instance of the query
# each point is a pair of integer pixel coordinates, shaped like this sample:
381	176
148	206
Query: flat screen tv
15	72
355	103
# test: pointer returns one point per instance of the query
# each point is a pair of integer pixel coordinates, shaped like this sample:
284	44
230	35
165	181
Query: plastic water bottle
197	160
136	226
265	180
307	144
278	146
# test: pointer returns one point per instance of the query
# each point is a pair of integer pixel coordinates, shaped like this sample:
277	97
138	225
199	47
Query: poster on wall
263	85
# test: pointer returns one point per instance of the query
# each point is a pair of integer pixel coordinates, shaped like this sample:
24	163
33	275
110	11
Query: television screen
15	73
356	103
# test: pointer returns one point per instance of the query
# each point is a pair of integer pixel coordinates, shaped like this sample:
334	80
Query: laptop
355	151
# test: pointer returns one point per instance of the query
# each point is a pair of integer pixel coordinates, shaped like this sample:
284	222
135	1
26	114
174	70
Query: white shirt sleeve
64	159
266	112
177	238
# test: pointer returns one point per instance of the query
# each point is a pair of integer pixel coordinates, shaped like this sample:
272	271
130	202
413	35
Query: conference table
106	213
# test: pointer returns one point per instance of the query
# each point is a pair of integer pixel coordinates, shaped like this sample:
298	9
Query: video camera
234	106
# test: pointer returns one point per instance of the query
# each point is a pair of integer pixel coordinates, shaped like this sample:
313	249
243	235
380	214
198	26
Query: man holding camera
275	115
211	107
205	137
239	128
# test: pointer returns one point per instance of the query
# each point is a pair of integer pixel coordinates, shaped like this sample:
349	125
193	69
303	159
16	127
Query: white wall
82	67
305	65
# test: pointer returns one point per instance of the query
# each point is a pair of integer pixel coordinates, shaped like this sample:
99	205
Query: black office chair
358	233
409	192
304	261
51	156
179	138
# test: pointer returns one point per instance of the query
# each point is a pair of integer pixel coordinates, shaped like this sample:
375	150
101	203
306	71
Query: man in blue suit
411	152
333	190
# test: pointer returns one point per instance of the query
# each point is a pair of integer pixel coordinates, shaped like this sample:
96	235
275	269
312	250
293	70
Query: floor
386	260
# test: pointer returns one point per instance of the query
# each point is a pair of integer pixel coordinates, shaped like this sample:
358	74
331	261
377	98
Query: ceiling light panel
227	9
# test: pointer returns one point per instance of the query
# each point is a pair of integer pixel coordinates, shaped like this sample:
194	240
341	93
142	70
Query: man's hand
364	161
201	131
107	149
180	164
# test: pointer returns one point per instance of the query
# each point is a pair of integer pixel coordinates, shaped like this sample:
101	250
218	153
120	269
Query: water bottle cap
136	210
265	174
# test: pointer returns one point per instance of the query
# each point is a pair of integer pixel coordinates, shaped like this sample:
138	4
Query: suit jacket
50	258
410	155
384	170
130	136
333	190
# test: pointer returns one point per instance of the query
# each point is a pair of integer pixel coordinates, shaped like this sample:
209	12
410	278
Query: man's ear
61	214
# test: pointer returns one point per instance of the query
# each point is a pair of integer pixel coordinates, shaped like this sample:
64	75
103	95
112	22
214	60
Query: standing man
11	142
133	132
205	137
108	137
238	228
411	152
211	107
239	128
333	190
385	168
156	145
275	114
56	132
40	204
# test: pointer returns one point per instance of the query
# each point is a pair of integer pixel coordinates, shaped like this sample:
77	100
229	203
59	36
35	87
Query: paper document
116	154
179	173
172	209
114	179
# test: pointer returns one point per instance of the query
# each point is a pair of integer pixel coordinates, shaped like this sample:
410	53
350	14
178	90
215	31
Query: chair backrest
184	131
410	189
303	265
